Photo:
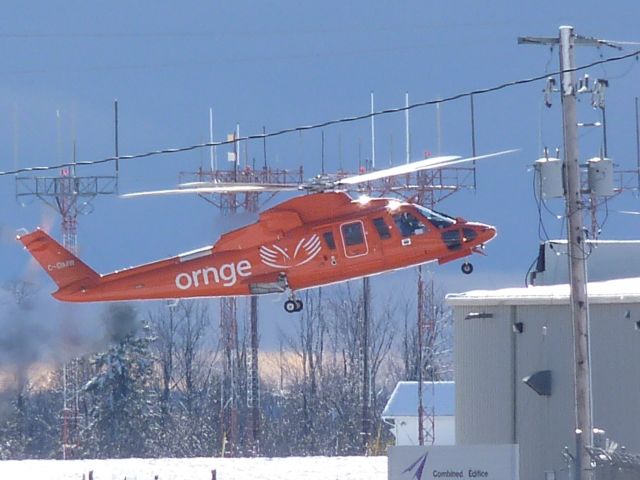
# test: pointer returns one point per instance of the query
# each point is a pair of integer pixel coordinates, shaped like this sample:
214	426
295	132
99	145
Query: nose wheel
466	268
293	305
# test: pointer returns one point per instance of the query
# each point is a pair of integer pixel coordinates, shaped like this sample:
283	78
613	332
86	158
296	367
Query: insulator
600	174
549	182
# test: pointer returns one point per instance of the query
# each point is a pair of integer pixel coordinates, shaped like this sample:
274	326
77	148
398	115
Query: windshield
437	219
408	224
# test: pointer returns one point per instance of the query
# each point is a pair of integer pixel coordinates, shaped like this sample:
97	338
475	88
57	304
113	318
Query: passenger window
382	228
352	234
328	238
408	224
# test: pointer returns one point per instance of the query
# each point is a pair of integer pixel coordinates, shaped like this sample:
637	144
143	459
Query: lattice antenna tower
69	195
427	187
231	204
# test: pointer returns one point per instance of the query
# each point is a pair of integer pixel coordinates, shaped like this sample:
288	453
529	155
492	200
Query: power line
325	124
364	29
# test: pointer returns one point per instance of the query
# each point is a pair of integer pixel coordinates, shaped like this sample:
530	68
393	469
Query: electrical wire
527	275
549	60
606	214
324	124
621	75
563	224
600	224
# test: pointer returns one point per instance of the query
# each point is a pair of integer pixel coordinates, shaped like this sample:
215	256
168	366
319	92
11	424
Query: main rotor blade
241	186
216	188
428	164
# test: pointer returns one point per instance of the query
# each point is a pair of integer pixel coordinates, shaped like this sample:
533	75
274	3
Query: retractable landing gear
466	268
294	305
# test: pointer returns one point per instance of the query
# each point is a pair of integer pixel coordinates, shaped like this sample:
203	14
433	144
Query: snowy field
290	468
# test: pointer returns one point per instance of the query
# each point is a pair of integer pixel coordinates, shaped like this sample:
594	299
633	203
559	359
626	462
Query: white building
504	336
401	412
607	260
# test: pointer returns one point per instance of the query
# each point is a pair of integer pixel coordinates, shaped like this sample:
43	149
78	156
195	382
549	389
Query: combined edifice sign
471	462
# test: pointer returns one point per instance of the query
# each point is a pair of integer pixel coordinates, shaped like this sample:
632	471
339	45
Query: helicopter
307	241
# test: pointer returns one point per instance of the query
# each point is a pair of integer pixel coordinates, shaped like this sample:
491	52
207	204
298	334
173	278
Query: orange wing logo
277	257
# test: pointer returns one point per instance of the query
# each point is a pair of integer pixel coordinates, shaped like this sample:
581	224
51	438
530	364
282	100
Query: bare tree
191	358
382	339
364	342
186	362
165	326
437	359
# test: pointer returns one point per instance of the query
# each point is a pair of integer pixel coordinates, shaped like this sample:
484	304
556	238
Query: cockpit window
382	228
439	220
328	237
408	224
353	233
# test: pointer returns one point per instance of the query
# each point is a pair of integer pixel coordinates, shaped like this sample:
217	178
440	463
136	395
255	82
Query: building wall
483	356
494	406
544	424
405	430
445	430
615	352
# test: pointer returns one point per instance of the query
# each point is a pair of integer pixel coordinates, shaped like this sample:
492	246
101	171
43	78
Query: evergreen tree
122	412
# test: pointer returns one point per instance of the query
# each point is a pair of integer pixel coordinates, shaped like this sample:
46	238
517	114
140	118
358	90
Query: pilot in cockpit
408	224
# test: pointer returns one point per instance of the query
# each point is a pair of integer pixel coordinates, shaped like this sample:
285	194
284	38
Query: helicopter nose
478	233
486	233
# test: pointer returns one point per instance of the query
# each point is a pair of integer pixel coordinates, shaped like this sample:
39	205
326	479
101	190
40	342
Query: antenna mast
373	136
69	195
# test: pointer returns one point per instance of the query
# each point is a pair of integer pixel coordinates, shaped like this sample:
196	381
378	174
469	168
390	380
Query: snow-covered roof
404	399
624	290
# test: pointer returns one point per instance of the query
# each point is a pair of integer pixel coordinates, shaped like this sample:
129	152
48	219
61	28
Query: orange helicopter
308	241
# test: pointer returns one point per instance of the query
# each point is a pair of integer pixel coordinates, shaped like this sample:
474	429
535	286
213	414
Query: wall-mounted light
476	315
517	327
540	382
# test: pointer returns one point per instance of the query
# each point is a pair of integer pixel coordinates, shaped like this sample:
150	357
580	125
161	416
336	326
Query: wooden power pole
567	41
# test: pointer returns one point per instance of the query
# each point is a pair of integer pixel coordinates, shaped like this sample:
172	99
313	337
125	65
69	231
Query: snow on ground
289	468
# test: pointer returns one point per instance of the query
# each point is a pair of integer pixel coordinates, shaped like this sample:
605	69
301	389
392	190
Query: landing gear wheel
290	306
299	305
467	268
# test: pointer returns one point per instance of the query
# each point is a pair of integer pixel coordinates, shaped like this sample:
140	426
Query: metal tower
230	204
69	195
427	187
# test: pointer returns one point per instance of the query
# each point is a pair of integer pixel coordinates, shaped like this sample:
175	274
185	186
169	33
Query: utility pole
420	356
253	392
577	253
366	384
576	242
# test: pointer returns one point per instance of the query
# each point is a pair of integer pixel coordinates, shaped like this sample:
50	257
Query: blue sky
287	63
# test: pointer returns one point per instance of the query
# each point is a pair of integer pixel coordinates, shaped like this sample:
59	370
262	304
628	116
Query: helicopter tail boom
64	268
